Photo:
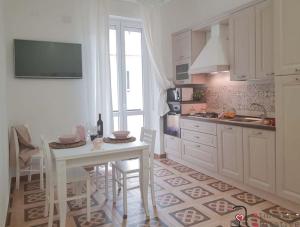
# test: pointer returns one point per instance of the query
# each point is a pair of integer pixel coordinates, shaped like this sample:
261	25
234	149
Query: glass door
126	60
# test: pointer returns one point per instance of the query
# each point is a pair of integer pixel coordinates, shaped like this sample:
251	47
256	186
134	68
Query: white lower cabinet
259	158
230	152
172	145
200	155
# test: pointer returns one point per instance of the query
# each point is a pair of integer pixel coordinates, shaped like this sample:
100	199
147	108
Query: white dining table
88	156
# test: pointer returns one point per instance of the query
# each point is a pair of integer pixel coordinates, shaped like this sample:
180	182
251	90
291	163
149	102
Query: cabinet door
242	44
288	137
287	36
259	158
230	151
172	145
200	155
264	40
182	47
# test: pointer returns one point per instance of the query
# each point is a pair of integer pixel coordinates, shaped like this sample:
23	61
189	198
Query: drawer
199	126
200	155
172	145
197	137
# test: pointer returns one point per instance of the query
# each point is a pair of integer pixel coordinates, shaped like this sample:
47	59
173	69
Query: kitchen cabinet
259	158
264	40
200	155
287	91
172	145
286	37
230	151
242	44
182	46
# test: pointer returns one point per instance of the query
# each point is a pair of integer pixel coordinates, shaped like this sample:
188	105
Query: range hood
214	55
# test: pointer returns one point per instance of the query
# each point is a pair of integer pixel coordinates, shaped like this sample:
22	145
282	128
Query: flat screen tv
40	59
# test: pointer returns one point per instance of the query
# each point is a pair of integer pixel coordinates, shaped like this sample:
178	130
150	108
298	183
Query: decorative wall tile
221	92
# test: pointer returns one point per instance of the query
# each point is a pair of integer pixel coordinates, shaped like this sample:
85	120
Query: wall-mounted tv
47	60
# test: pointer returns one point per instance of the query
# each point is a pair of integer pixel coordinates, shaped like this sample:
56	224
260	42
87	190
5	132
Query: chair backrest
48	162
16	145
148	136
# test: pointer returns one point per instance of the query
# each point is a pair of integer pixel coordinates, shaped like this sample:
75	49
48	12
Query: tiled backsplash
221	92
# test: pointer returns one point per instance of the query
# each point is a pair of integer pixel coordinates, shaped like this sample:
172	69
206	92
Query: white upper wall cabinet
242	44
286	37
264	40
287	136
182	46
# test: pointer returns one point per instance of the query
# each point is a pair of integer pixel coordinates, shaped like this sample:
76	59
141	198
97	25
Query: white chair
129	169
29	169
97	176
74	175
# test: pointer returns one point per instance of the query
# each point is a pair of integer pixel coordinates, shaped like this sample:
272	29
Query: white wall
50	107
4	176
179	14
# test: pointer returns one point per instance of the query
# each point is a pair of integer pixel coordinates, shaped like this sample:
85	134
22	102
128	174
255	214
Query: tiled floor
184	198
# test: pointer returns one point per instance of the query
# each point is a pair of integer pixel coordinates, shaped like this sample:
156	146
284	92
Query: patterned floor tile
200	176
196	192
220	206
168	162
34	197
167	200
162	172
35	213
248	198
253	220
98	218
182	169
177	181
283	214
158	187
221	186
154	222
189	216
133	208
55	224
31	186
75	205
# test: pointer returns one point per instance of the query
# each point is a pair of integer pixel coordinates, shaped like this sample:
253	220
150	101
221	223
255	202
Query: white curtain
96	65
149	13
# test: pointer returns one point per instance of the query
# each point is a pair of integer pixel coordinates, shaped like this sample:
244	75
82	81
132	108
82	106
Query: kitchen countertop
256	125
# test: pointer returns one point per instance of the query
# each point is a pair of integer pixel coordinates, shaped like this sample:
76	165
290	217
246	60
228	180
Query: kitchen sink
245	119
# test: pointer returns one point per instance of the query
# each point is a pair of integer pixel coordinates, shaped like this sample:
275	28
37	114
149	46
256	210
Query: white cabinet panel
287	36
200	155
242	44
199	126
206	139
230	151
264	40
172	145
182	46
288	137
259	158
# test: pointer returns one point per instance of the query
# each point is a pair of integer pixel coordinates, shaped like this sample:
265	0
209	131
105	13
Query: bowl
66	139
121	134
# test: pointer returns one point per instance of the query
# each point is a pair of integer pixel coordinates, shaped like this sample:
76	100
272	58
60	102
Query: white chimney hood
214	55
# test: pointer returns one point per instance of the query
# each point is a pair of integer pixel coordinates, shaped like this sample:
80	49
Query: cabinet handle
197	137
270	74
229	128
297	79
258	133
297	70
243	76
196	126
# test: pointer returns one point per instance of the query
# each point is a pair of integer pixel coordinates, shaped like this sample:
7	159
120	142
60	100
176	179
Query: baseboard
160	156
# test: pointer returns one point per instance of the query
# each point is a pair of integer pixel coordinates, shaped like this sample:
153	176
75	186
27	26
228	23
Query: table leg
145	181
62	191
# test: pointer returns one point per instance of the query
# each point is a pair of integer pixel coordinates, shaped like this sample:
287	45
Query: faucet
264	115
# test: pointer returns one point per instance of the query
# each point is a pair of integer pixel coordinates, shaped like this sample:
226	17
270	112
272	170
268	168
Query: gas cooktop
206	115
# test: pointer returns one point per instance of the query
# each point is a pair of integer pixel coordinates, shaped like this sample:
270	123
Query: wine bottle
100	127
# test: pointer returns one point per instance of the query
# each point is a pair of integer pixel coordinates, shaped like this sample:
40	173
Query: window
126	60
